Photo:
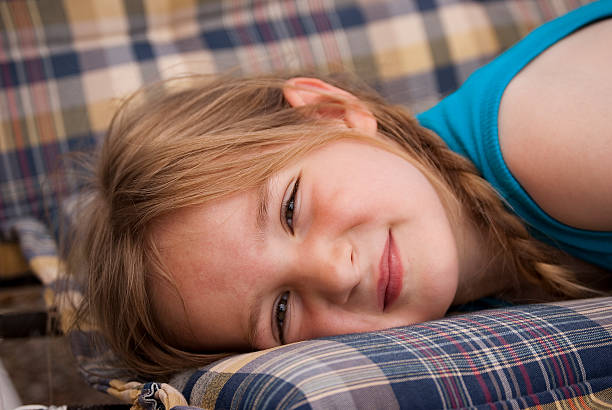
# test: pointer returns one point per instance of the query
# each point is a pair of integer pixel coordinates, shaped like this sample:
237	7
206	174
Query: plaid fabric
532	356
509	358
63	65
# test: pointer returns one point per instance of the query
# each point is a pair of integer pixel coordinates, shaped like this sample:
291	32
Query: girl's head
242	213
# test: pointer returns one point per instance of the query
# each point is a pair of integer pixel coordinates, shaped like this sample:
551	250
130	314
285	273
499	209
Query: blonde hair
193	140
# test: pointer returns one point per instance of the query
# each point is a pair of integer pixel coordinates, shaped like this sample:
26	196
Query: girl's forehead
207	237
212	258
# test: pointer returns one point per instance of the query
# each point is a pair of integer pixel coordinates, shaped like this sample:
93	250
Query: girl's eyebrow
253	324
263	200
263	205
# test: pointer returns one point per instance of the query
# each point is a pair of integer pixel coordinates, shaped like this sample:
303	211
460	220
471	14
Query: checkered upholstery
64	65
530	356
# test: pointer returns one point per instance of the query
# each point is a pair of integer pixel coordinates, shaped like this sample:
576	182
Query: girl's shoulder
555	128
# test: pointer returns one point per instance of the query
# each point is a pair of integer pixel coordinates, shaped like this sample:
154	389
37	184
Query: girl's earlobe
302	91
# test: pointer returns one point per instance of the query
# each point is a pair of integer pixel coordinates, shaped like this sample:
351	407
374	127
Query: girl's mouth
391	274
396	274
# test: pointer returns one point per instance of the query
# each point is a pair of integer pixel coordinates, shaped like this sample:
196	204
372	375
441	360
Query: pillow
535	355
554	355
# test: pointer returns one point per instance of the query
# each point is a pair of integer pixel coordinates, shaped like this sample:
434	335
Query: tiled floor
42	369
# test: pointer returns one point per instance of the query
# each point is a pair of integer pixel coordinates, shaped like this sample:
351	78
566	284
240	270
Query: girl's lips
396	273
391	275
383	277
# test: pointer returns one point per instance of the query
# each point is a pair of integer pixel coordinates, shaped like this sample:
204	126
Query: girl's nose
326	268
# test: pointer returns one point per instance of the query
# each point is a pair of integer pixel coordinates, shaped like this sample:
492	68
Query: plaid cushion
545	356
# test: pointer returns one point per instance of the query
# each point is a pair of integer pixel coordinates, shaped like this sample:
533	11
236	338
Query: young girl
243	213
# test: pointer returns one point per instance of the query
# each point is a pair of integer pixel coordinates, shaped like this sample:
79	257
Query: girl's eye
280	312
289	206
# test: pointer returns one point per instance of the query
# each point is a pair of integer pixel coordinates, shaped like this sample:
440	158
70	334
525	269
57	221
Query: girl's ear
302	91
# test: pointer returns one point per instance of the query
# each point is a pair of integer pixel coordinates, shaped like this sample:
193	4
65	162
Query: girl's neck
486	270
483	269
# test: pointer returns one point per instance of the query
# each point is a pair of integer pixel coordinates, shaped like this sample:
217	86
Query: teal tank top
467	121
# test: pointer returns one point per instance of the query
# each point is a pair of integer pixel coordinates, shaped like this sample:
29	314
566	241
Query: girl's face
349	238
